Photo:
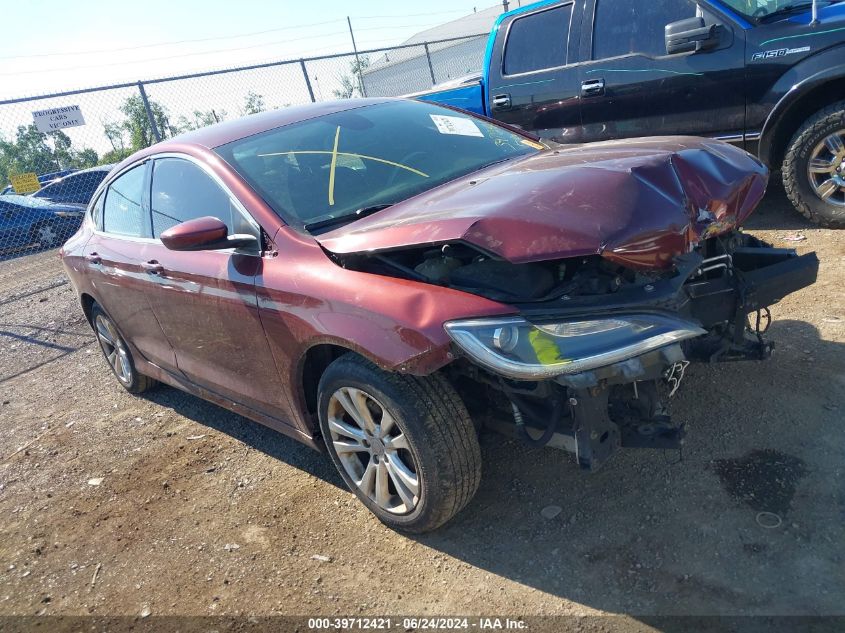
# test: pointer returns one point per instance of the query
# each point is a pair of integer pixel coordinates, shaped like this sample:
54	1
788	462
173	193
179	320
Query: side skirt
154	371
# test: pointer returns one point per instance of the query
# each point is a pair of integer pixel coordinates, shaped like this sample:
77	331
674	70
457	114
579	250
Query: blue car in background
77	187
43	179
26	221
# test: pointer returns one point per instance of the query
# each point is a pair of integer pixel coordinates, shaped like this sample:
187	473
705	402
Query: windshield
342	163
757	10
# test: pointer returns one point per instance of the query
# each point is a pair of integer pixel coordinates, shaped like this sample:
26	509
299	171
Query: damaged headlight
516	348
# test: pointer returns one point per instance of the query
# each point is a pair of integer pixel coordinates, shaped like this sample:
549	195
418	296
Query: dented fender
397	324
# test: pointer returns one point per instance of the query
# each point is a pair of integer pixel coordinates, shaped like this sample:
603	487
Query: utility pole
357	59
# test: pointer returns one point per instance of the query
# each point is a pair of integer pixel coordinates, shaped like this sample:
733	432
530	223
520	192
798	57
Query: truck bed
466	94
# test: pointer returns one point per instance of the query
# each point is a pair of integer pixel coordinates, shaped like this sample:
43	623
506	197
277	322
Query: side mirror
203	234
690	35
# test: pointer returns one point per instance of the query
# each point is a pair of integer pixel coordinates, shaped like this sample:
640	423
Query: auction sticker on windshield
455	125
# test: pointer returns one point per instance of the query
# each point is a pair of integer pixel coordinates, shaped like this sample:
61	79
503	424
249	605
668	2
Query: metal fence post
430	66
357	59
307	80
149	110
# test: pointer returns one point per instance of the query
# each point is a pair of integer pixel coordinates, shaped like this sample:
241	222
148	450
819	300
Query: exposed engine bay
467	268
598	350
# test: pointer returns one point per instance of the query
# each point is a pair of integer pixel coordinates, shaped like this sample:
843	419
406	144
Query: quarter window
636	26
181	191
122	213
97	212
538	41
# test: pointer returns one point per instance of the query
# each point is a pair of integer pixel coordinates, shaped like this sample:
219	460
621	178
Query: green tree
200	119
114	156
67	156
137	123
253	104
27	152
350	84
134	131
31	152
87	158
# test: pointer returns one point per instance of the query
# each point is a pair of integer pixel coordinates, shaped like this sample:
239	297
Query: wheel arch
795	107
87	302
310	369
321	353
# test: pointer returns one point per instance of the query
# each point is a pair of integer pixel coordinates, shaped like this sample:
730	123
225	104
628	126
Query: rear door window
538	41
123	211
636	26
182	191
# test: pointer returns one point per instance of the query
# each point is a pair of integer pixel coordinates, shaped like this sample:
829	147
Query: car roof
105	168
90	169
36	203
228	131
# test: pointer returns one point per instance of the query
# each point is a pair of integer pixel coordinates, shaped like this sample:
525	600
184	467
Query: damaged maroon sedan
383	278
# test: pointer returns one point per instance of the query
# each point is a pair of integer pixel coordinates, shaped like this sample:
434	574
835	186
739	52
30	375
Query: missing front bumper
620	405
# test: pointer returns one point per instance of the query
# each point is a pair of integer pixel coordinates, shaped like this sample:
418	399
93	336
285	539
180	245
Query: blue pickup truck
767	75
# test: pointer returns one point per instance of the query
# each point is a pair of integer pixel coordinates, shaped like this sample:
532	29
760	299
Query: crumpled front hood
637	202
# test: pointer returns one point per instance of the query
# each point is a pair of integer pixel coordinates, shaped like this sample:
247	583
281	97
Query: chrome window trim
153	240
207	170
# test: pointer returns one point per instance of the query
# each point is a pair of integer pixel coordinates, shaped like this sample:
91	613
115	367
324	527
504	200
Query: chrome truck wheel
814	167
826	169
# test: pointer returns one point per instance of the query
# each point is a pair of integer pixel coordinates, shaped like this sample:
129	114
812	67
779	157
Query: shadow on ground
776	211
747	523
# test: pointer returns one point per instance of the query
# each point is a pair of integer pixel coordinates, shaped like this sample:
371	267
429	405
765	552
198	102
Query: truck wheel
117	353
814	167
405	445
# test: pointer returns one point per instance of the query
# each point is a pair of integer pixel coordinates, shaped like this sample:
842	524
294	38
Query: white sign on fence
57	118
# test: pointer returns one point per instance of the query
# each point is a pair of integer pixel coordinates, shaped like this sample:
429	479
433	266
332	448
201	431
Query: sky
57	45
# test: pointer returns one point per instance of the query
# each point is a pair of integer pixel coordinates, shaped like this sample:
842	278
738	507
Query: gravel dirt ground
119	505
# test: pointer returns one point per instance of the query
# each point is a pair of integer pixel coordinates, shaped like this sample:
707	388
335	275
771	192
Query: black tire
796	178
442	443
134	381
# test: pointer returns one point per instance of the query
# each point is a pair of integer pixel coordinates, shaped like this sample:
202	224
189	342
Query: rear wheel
405	445
117	353
814	167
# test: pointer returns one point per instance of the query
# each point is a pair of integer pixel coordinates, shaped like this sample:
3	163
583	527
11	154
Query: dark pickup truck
767	75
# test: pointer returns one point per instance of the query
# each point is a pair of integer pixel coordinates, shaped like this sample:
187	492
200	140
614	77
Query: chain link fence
55	149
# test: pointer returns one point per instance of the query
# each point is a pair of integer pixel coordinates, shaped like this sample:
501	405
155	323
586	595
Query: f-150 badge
778	52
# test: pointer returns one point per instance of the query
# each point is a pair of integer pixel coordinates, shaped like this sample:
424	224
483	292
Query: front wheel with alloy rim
405	445
814	167
117	353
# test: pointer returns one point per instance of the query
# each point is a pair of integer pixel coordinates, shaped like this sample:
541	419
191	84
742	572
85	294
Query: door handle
93	259
501	102
152	267
592	88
